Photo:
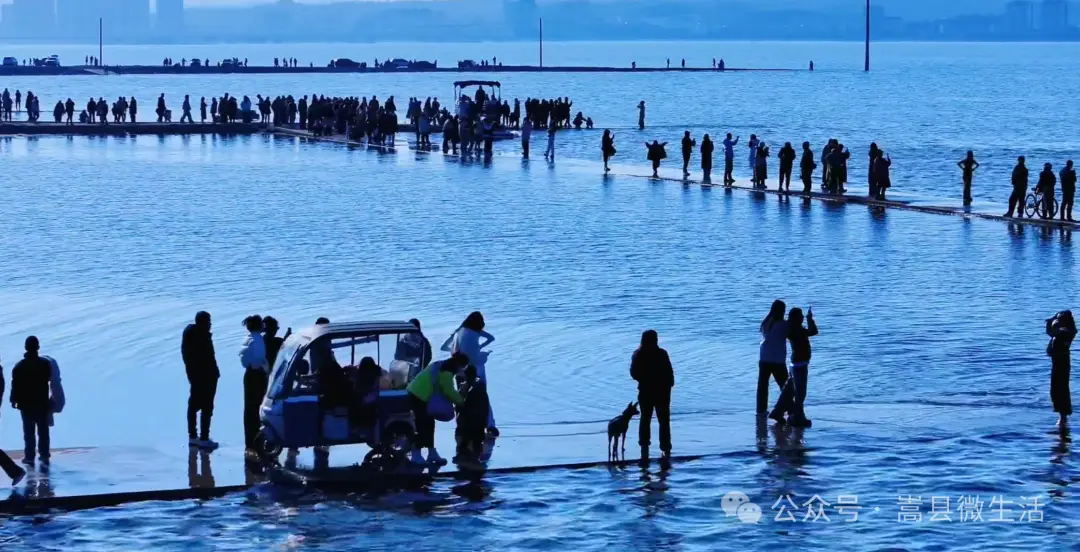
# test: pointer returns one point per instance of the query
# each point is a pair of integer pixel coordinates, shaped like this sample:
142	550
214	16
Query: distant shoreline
21	70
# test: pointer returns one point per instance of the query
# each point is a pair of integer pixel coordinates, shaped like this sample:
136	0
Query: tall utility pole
100	42
541	42
866	67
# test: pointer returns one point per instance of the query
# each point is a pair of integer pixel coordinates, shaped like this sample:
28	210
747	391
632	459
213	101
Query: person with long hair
607	148
793	397
650	366
466	339
772	357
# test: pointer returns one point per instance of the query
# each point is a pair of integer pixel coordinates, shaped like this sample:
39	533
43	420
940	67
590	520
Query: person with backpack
30	388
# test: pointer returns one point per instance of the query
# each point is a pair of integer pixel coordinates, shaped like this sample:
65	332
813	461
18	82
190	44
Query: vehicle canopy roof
467	83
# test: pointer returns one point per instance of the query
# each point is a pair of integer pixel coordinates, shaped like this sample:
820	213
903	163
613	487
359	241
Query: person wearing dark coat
706	158
787	161
200	362
1068	190
1020	184
871	173
688	144
607	148
793	397
656	153
13	471
882	180
650	366
133	108
30	396
1062	330
807	166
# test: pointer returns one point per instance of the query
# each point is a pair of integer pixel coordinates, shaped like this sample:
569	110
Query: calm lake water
929	378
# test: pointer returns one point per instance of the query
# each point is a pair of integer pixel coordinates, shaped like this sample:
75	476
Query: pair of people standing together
775	334
466	346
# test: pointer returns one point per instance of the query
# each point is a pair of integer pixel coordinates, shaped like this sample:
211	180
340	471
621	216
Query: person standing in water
650	366
1045	186
526	135
655	154
30	395
256	377
871	173
753	158
1020	186
806	167
200	363
1062	330
1068	190
641	115
793	397
968	165
787	161
467	340
607	147
729	159
549	153
882	180
762	170
688	144
772	356
706	158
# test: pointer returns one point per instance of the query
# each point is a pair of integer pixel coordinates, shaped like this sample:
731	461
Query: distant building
121	19
29	19
169	18
1019	17
1053	18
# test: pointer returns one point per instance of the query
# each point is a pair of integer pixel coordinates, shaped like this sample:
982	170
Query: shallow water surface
929	378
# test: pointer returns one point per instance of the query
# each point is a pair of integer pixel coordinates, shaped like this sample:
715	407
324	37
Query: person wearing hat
30	396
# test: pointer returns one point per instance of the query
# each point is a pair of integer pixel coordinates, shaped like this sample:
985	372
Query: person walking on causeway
655	154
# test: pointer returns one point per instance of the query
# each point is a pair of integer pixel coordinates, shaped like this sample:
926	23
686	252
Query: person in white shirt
256	377
467	339
526	135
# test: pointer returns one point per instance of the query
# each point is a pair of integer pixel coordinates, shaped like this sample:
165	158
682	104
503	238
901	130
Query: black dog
618	427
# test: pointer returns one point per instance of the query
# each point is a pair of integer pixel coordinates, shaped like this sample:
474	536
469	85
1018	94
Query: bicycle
1033	205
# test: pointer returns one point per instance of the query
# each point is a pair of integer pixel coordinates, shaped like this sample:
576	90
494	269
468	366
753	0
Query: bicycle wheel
1054	208
1031	205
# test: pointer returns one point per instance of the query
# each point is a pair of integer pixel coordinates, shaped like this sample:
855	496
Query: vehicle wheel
398	438
266	447
1031	205
1054	208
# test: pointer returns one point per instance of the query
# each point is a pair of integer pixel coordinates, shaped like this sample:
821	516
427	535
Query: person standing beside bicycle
1047	181
1020	186
1068	190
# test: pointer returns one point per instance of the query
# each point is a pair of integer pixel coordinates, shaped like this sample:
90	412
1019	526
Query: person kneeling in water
794	395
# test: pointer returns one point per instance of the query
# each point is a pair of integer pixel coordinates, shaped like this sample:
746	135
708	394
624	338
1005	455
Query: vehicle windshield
280	371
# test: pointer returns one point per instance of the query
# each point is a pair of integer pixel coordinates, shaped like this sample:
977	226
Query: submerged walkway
897	200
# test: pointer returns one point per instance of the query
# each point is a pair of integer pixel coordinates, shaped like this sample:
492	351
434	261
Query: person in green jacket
442	374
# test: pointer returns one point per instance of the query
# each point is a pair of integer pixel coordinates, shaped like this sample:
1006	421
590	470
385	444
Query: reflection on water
929	376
